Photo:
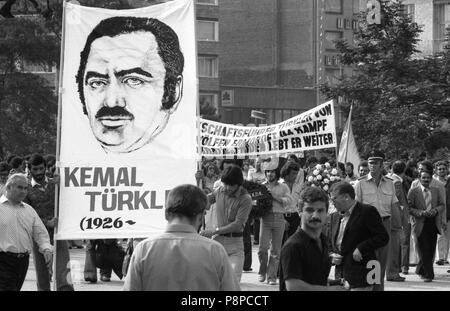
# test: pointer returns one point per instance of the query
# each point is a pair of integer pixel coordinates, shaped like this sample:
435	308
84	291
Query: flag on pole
348	152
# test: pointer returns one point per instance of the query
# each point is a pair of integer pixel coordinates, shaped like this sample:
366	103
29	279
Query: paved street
249	280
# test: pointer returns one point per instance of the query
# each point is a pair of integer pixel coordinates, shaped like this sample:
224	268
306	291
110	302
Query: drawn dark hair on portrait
168	49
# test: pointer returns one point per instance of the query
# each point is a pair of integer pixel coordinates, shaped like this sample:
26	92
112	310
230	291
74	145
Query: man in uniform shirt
19	227
379	191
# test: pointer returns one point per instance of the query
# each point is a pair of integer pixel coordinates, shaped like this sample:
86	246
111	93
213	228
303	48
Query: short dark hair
277	172
341	166
237	162
35	160
293	157
50	159
288	168
186	200
343	187
440	163
168	49
427	166
350	164
410	169
398	167
16	162
232	175
310	160
313	194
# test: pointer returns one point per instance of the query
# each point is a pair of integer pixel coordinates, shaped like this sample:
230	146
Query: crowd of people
392	213
27	194
402	207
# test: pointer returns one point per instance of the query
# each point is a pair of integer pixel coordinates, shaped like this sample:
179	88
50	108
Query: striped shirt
19	226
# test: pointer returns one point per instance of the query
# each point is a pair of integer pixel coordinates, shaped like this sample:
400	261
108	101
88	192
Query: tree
28	103
397	97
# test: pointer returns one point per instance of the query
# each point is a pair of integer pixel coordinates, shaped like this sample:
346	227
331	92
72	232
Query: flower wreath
323	176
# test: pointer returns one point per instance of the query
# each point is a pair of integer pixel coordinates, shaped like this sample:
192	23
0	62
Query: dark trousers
256	224
247	245
90	270
62	276
426	248
405	245
294	221
13	271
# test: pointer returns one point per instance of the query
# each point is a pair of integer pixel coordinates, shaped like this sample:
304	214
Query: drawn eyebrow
137	70
93	74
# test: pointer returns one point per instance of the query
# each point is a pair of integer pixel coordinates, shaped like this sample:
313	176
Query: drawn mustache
114	112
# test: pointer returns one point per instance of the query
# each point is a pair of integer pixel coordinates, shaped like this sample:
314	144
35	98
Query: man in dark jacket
355	235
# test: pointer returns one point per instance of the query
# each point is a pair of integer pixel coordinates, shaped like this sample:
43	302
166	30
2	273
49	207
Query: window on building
208	103
278	115
333	6
210	2
286	115
331	36
359	6
207	30
442	21
208	66
409	9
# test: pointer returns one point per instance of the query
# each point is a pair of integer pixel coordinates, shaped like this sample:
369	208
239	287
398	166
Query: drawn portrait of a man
130	81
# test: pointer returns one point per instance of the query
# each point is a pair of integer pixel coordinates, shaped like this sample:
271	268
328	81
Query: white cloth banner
128	117
348	151
310	130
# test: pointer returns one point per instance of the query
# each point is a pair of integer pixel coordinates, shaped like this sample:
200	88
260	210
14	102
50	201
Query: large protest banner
311	130
127	122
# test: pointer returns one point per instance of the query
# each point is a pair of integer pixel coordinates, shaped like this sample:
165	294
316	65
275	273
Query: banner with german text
128	131
310	130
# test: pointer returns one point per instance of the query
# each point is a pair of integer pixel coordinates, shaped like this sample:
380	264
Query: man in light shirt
180	259
19	227
379	191
273	225
289	173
